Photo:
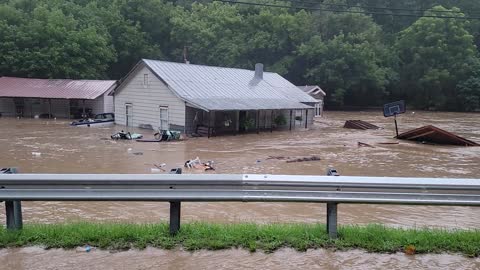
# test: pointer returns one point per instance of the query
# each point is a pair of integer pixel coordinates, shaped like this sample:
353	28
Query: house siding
108	106
146	102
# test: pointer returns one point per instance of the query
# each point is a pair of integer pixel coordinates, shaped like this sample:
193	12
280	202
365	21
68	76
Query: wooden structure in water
432	134
359	124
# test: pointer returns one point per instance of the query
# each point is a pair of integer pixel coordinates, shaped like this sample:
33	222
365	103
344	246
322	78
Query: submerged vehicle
102	119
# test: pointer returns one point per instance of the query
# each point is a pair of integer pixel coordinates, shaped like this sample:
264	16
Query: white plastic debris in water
86	248
36	154
129	149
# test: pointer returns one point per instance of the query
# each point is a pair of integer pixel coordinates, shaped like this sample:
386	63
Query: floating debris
176	171
197	164
294	159
435	135
410	250
332	172
312	158
278	157
361	144
359	124
122	135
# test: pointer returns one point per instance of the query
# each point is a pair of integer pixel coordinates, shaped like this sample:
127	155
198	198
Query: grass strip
269	237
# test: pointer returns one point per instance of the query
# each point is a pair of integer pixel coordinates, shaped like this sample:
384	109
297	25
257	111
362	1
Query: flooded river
40	146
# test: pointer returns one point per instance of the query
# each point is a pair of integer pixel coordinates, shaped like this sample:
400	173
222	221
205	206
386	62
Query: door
129	115
164	124
317	109
35	107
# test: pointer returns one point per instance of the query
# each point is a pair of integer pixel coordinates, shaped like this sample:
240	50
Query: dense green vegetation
362	52
194	236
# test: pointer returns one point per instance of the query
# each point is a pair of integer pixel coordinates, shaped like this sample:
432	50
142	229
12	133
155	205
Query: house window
145	80
164	125
298	115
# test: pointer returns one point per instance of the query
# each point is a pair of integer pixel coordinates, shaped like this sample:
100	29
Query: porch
232	122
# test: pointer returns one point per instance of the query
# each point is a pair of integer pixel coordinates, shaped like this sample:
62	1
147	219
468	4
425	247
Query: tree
273	36
212	33
349	60
435	55
468	91
48	44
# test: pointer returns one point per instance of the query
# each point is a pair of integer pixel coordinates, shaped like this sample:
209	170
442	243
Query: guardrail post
13	209
332	220
174	217
175	207
9	215
17	215
332	211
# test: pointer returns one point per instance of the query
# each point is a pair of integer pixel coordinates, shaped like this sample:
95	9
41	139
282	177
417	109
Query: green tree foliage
349	60
359	59
47	43
212	34
435	55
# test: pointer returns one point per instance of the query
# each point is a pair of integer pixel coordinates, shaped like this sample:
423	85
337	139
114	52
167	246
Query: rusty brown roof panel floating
359	124
432	134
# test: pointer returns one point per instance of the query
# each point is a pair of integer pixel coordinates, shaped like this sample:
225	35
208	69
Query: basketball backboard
394	108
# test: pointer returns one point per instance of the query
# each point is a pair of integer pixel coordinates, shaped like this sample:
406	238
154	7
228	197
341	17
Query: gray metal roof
219	88
310	88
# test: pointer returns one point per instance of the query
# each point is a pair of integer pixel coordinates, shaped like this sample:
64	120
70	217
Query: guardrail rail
177	188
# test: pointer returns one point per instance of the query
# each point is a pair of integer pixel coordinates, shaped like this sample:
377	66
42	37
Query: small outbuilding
317	93
207	100
27	97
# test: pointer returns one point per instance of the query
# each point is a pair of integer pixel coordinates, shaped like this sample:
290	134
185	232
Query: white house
317	93
26	97
210	100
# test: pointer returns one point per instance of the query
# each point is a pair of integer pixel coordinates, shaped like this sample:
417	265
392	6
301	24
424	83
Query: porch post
49	108
271	121
265	120
290	120
209	123
306	118
83	107
257	120
237	122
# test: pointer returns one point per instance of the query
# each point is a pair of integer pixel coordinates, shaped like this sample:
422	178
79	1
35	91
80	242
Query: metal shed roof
220	88
49	88
309	89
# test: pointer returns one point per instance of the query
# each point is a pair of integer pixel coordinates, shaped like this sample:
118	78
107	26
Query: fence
177	188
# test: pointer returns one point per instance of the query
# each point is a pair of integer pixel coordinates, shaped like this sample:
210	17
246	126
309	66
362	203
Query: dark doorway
242	117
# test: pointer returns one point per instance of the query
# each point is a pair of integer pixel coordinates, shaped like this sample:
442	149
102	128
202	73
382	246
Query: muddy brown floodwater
65	149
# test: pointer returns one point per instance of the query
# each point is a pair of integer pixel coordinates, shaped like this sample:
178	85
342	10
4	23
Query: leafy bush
280	120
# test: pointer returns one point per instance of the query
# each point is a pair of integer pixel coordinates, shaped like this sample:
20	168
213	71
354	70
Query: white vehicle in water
100	120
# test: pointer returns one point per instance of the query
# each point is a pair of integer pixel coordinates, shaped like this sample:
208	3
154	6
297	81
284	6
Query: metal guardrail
245	188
